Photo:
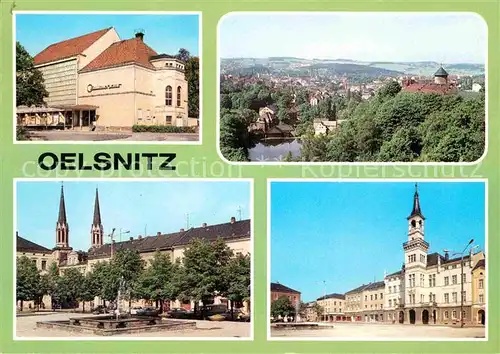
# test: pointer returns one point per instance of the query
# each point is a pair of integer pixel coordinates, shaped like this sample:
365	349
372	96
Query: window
371	297
381	306
454	266
454	297
430	297
139	113
432	280
168	120
375	296
422	258
453	314
168	96
454	279
481	298
148	114
381	296
481	283
178	96
390	303
446	315
446	280
44	265
366	297
464	278
464	295
446	298
422	279
464	315
422	299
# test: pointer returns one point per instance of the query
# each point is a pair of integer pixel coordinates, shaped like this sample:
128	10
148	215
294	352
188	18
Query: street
383	331
26	327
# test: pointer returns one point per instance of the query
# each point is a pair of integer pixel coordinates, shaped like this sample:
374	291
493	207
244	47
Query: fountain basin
301	325
109	325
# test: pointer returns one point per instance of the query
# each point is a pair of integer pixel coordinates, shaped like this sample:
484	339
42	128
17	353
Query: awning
78	107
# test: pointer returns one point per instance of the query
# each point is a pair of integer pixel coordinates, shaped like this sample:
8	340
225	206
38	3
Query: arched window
168	96
178	96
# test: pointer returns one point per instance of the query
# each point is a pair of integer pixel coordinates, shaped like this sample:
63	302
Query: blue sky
163	33
132	206
446	38
348	234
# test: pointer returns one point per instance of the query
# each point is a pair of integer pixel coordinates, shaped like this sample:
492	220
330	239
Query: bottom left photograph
133	258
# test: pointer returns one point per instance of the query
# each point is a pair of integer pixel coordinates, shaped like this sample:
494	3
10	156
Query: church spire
62	208
96	230
416	205
97	209
62	228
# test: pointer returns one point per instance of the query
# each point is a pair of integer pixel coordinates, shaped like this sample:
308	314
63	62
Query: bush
161	129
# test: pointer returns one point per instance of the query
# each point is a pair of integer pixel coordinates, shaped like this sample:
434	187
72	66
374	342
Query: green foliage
21	133
204	267
282	307
161	129
318	309
27	279
234	136
159	281
237	273
192	74
404	127
30	88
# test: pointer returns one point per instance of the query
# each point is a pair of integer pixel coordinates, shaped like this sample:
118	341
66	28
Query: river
274	149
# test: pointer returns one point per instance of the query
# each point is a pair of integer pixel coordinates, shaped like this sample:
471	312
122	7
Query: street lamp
462	282
124	233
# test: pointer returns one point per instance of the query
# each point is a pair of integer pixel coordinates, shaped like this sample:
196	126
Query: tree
234	137
90	289
203	270
127	265
390	89
192	74
27	280
318	309
282	307
237	273
159	282
30	88
70	286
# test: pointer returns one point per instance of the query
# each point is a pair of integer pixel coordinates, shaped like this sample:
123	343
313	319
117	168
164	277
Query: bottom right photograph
377	259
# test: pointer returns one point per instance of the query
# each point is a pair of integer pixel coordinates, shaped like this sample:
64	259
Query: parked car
177	313
148	311
133	310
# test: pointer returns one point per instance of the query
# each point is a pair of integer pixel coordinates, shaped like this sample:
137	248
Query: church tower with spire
62	227
62	248
97	231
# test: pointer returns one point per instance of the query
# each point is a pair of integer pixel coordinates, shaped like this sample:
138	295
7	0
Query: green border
203	161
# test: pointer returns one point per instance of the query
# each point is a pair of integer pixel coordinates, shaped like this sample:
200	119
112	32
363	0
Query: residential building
236	235
278	290
440	85
479	292
333	307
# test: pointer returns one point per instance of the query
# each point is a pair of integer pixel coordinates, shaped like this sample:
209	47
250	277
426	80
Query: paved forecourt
393	331
26	327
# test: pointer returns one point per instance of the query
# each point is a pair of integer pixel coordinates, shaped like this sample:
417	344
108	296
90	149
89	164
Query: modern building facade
236	235
100	80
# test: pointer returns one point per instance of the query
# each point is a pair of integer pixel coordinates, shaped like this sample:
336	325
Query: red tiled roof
429	88
124	52
68	48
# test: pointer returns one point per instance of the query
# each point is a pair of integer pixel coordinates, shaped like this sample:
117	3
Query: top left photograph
107	77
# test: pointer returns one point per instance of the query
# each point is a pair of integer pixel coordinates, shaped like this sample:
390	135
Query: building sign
91	88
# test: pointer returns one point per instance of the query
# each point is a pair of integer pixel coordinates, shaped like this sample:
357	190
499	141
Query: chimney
139	35
131	238
233	219
158	233
181	230
204	224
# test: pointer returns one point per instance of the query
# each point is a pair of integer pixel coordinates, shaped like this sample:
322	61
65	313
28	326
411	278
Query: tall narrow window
178	96
168	96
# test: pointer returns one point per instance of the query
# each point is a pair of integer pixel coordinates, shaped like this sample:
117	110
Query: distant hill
349	66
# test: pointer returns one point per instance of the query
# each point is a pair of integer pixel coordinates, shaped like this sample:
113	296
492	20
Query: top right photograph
352	87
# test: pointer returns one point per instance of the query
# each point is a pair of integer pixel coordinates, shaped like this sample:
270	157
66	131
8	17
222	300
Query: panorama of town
433	295
194	282
294	109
